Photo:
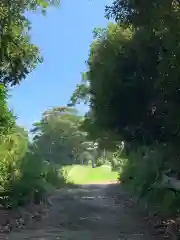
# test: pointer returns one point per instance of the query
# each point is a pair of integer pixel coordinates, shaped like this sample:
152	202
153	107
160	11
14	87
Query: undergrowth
28	180
142	176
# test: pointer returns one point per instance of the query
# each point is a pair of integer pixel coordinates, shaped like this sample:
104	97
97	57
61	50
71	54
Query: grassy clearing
87	175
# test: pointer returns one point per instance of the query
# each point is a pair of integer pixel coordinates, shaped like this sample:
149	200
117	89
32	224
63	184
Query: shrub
35	178
142	174
100	161
54	175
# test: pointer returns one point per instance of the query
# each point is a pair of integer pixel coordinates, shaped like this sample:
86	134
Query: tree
137	100
13	148
57	136
18	55
7	120
134	90
159	22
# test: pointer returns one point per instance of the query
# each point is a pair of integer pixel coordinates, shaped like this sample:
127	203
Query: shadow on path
89	212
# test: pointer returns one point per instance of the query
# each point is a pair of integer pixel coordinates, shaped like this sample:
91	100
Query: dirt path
89	212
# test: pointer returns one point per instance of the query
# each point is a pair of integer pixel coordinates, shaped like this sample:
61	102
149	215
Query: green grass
79	174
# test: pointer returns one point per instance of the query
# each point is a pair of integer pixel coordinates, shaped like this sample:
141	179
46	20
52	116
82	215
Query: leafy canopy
133	72
58	137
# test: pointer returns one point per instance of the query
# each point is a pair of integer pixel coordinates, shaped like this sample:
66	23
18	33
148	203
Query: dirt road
89	212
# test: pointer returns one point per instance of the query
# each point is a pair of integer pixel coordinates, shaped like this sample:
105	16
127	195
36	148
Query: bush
142	174
35	178
54	175
30	184
100	161
117	160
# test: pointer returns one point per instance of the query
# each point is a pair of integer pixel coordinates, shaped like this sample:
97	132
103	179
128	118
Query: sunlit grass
79	174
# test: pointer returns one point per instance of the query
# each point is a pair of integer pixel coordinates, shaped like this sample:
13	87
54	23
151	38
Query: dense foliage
22	176
58	138
18	55
132	87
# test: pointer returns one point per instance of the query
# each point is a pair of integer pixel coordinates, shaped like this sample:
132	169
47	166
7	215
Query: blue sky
63	36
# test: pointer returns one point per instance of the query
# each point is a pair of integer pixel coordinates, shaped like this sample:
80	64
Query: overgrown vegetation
21	175
133	91
29	169
132	87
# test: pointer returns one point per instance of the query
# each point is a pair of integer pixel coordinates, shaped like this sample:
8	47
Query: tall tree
139	101
18	55
57	136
